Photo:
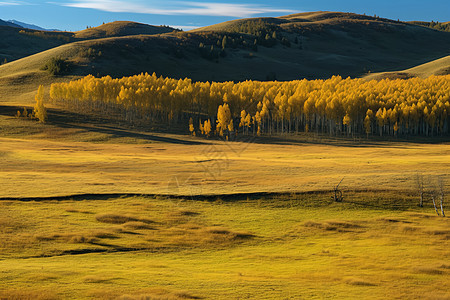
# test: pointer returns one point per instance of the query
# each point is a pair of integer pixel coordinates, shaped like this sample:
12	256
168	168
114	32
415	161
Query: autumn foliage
335	106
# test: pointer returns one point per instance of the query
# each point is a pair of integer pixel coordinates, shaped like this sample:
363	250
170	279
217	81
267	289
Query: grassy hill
436	67
16	43
306	45
121	28
445	26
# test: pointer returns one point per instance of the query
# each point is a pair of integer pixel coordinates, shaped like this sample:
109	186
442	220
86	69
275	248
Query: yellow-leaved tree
40	112
223	118
191	126
207	127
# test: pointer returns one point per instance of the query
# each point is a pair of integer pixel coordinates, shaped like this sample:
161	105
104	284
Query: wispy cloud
7	3
178	8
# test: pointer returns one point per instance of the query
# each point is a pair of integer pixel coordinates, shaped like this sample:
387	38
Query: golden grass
113	218
436	67
63	166
276	249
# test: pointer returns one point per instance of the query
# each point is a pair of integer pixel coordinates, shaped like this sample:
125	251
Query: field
246	219
280	248
41	160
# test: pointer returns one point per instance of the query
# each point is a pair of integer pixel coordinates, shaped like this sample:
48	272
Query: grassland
285	248
94	157
225	238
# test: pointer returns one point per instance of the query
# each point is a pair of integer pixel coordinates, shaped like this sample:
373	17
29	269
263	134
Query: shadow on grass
95	124
120	129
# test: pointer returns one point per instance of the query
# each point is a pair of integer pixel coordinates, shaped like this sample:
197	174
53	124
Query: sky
73	15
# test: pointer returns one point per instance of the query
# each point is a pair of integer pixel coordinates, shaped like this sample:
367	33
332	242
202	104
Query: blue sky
77	14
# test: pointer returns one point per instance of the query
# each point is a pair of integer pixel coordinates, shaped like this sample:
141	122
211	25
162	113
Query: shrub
57	66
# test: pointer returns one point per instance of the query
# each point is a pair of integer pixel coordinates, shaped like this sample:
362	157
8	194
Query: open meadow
41	160
249	219
281	248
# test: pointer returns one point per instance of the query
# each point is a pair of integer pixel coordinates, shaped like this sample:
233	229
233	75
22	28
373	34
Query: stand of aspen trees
335	106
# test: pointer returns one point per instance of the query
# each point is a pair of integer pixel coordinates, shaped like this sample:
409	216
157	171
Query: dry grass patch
137	225
429	270
28	294
192	235
358	281
224	232
76	238
159	294
96	279
113	218
335	225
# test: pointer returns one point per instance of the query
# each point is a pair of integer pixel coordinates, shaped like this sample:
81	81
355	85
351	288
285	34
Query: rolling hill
121	28
18	42
436	67
306	45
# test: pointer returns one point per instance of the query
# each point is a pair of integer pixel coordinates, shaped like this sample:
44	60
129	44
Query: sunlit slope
121	28
436	67
316	45
17	42
20	79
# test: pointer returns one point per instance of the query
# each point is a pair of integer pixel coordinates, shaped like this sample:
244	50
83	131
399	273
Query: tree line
335	106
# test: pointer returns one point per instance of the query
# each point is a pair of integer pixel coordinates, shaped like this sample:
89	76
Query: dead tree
440	186
338	193
433	196
419	185
438	192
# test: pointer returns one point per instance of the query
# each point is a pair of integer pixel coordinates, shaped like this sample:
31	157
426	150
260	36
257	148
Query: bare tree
419	185
338	193
438	192
440	186
433	196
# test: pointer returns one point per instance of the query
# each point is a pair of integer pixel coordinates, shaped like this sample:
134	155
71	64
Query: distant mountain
10	24
30	26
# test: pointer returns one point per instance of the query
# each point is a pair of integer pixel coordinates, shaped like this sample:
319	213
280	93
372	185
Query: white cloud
178	8
6	3
184	27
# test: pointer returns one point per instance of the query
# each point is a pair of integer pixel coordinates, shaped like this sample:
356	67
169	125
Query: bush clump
57	66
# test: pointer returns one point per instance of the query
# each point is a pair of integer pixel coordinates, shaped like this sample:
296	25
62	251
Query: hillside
436	67
121	28
311	45
306	45
17	42
445	26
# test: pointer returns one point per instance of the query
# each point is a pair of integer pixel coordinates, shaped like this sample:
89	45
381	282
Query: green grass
287	248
